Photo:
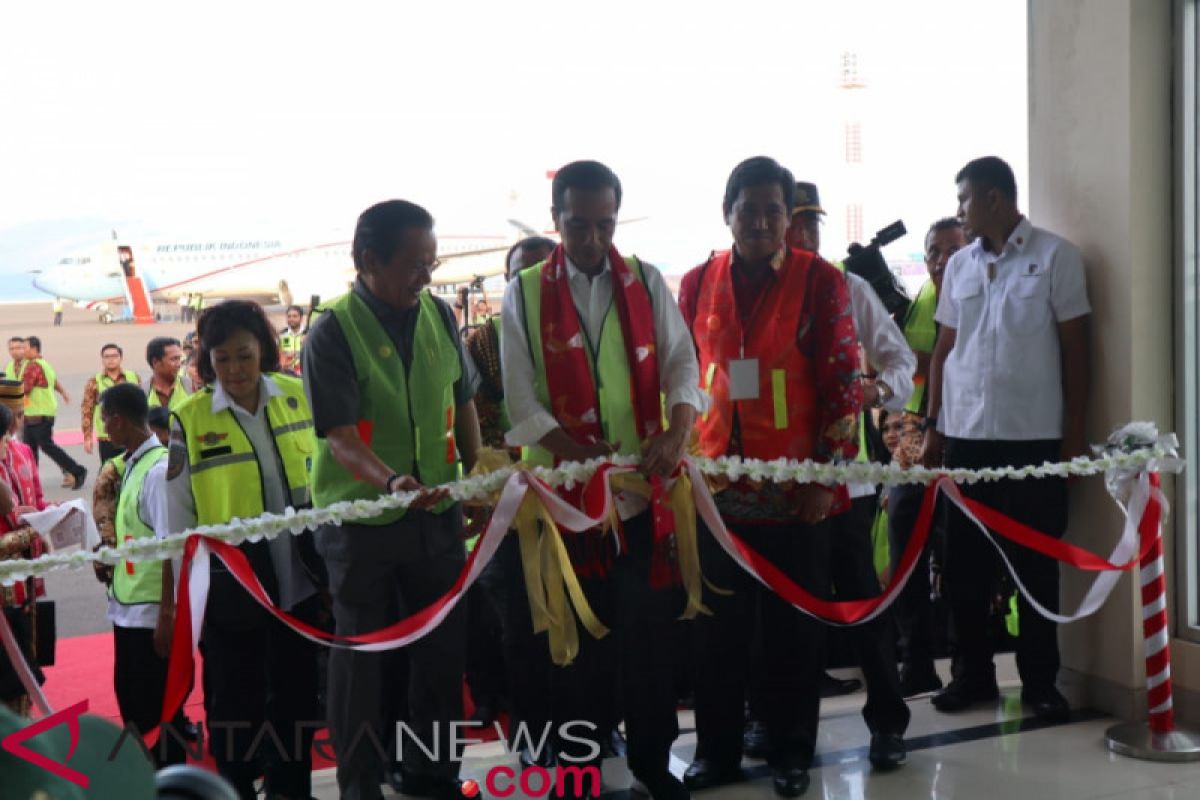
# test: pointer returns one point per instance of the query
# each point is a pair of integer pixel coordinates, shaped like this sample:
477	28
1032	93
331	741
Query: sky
266	118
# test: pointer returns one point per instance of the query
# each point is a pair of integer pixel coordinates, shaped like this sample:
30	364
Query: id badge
743	379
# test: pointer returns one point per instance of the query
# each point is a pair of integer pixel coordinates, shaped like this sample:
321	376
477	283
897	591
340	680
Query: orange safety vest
779	423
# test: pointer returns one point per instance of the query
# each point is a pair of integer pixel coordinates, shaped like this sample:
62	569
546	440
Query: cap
807	199
12	394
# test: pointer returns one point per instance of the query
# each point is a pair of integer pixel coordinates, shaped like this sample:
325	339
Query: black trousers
108	450
636	656
140	679
487	673
854	578
260	698
40	436
527	655
793	644
377	576
913	609
972	564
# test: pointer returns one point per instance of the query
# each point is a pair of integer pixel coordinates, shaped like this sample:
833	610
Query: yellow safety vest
103	384
409	424
614	384
41	402
223	466
140	582
179	395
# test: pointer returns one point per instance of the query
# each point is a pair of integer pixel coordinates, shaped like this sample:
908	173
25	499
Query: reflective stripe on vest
409	426
179	395
608	359
41	402
140	582
780	422
222	463
103	384
920	330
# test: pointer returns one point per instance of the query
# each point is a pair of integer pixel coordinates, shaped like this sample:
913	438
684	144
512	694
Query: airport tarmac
74	350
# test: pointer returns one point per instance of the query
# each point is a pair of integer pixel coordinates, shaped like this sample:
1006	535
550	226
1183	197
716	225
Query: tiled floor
993	752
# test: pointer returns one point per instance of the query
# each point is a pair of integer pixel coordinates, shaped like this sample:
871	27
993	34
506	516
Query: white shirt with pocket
1003	379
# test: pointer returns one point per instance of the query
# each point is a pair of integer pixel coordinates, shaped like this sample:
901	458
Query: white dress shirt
152	507
678	370
293	581
887	351
1003	379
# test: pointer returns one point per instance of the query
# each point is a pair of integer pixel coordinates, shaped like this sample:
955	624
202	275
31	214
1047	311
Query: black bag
45	634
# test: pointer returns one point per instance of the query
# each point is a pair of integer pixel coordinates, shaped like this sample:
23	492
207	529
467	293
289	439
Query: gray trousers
377	576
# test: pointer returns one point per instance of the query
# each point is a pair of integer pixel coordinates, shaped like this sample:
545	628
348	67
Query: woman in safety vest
241	447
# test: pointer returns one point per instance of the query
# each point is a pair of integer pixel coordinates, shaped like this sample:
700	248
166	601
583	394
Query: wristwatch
929	423
883	393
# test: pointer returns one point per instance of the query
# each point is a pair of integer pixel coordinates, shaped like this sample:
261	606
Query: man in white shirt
139	673
615	307
852	565
1008	387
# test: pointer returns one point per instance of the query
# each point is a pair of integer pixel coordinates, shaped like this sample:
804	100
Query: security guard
250	427
391	391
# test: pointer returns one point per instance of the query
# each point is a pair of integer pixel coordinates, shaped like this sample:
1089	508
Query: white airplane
268	270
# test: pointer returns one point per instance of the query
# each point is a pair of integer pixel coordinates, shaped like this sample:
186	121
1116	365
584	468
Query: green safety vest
881	549
408	425
141	582
104	383
291	343
179	395
12	373
920	330
41	402
608	360
222	463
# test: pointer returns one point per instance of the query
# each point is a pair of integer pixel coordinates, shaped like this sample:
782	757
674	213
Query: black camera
868	264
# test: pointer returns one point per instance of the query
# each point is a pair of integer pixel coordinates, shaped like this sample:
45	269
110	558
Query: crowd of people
770	351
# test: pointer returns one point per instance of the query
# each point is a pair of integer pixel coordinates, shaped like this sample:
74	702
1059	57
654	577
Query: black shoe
191	731
705	774
546	758
918	680
960	695
887	751
612	745
80	478
789	781
664	786
1048	704
417	785
754	740
836	687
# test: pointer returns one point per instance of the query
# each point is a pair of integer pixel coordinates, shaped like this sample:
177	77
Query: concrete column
1100	174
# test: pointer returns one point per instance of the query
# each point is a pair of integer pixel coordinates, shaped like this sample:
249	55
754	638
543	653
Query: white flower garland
1117	455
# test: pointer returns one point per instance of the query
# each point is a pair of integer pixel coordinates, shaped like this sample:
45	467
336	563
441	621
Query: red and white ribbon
1142	521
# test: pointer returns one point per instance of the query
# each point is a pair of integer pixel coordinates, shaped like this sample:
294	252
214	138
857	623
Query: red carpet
84	670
